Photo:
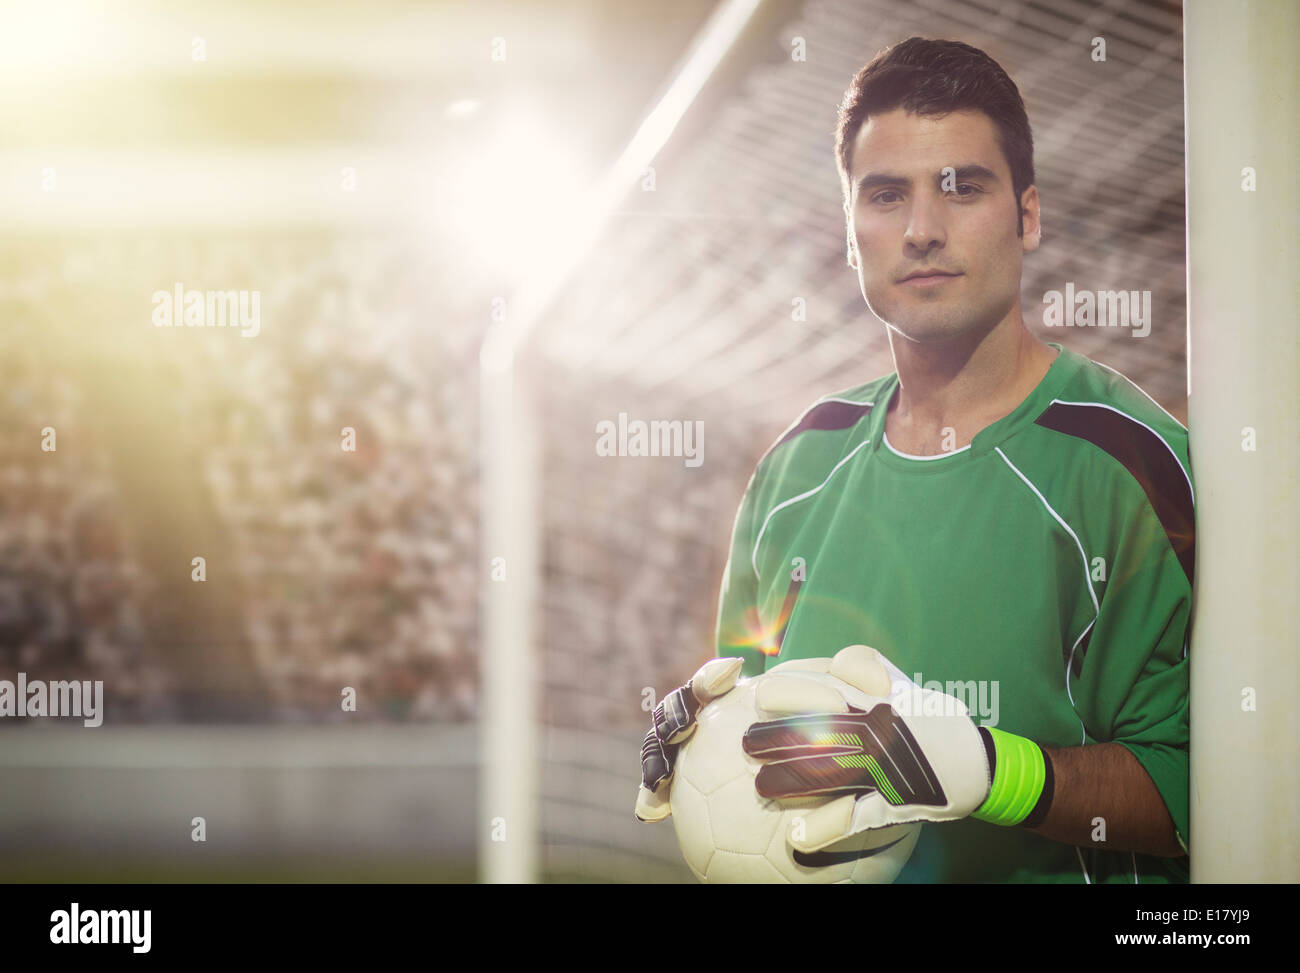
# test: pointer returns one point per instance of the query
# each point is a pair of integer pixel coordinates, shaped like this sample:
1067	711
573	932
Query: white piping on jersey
1140	389
802	415
899	452
1087	577
1087	881
1069	665
836	398
1079	851
1102	405
803	496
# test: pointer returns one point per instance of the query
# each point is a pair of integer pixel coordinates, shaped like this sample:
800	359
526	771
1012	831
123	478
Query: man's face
905	216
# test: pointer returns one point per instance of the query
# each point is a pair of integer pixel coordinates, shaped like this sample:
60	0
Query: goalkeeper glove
673	721
916	755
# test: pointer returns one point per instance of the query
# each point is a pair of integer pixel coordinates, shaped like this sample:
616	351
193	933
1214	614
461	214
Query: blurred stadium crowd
346	568
325	568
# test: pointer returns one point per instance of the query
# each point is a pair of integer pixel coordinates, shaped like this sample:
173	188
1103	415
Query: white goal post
1242	89
509	729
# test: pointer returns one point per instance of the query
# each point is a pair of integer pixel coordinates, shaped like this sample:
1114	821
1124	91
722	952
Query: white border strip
1087	577
925	459
1102	405
1140	389
804	415
753	560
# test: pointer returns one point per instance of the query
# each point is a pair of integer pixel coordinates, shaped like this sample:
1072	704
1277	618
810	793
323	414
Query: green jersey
1042	574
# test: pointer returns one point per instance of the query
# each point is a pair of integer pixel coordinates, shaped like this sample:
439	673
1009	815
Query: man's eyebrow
875	180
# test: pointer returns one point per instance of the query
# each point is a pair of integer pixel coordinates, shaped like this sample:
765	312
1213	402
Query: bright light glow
463	108
508	199
55	39
587	216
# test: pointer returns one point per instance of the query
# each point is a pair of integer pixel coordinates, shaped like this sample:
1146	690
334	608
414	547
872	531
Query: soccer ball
728	833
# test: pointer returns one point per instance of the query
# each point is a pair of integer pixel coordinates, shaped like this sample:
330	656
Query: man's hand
673	721
912	755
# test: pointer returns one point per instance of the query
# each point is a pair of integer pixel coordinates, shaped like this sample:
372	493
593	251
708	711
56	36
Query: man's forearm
1105	781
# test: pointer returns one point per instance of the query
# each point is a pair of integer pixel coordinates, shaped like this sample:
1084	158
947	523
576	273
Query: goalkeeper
1009	523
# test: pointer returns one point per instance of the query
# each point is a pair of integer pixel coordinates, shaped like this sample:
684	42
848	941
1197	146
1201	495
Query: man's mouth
928	278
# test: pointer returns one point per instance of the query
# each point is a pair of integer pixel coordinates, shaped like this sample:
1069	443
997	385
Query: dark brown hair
932	77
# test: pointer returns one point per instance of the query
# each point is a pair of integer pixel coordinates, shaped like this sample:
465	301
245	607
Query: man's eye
973	189
878	198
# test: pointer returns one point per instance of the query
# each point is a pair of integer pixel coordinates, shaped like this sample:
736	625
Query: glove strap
1022	785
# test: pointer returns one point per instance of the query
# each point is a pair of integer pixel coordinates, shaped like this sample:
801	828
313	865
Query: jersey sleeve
738	627
1132	684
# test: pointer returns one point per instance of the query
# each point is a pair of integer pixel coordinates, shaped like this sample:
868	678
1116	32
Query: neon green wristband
1020	776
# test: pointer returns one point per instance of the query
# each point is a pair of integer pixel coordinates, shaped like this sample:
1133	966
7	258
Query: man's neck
949	391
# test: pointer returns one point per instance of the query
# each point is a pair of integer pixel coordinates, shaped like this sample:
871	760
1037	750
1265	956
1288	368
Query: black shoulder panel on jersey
1146	457
826	416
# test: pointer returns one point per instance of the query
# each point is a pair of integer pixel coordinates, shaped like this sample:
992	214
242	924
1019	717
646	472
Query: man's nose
925	227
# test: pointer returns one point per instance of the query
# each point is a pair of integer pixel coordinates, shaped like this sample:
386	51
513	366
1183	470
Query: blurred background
389	177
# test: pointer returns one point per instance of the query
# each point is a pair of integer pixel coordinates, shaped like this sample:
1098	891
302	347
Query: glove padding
672	723
913	755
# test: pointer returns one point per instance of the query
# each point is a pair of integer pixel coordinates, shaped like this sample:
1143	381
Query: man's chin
930	332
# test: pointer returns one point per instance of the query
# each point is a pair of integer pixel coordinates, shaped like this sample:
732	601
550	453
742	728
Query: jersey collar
1058	374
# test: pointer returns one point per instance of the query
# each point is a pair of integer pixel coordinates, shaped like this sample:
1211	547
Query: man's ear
1032	217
